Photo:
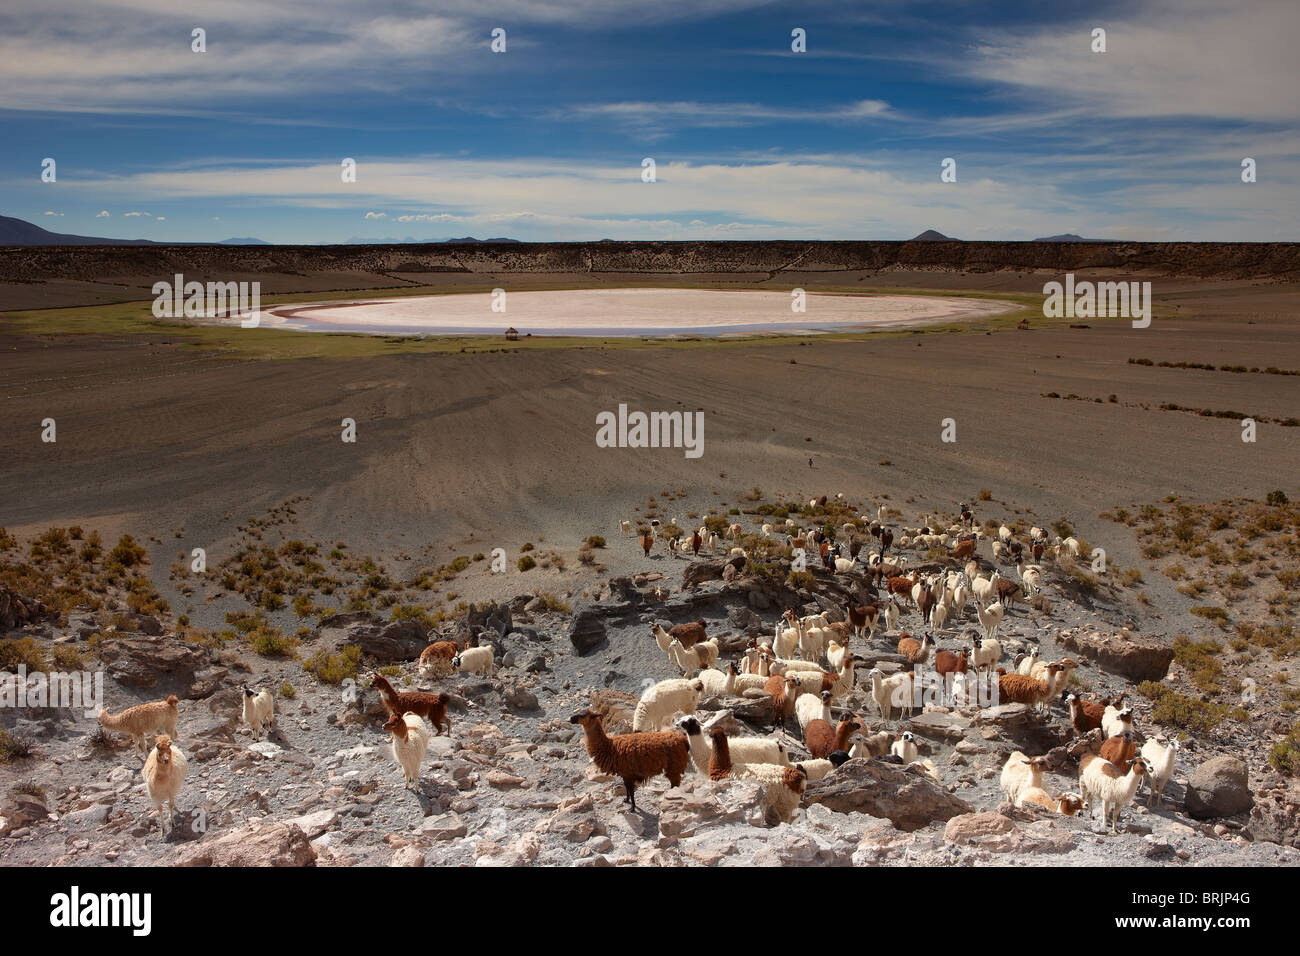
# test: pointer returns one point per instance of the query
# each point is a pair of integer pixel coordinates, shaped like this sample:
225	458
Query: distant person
809	462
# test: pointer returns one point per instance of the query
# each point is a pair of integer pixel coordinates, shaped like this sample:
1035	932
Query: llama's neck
841	735
720	760
1131	780
598	746
700	753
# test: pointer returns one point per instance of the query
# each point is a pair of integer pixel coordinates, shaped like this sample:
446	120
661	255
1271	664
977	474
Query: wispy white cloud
1163	58
649	114
102	214
143	61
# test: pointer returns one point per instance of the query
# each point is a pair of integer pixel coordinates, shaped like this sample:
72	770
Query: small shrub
66	657
550	602
1085	582
526	563
15	745
1285	757
1130	577
1177	710
801	580
127	553
269	641
595	541
410	612
1200	659
1211	613
22	651
287	691
334	668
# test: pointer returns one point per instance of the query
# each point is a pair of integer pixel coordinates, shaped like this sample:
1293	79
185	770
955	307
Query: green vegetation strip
136	319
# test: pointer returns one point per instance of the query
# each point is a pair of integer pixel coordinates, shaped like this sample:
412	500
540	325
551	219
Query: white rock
407	856
314	824
360	750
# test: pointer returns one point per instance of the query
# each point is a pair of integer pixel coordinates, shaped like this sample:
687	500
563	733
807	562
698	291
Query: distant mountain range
408	240
19	232
1071	237
930	235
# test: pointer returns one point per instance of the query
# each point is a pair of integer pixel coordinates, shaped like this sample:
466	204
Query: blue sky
751	141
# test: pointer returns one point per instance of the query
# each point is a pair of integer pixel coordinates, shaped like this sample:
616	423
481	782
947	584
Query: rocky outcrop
910	800
587	630
939	725
1136	658
519	698
624	590
697	572
345	619
999	834
20	809
698	803
1220	787
1276	813
256	844
17	611
386	642
394	642
491	615
164	666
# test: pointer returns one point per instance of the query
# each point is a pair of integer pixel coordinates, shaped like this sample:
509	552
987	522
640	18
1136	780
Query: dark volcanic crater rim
1224	260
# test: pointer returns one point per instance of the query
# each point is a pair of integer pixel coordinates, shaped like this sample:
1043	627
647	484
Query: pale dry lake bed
632	312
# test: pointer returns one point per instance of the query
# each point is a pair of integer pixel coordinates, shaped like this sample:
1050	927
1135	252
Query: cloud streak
832	197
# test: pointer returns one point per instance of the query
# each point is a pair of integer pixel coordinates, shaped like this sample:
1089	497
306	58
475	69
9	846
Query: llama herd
808	666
